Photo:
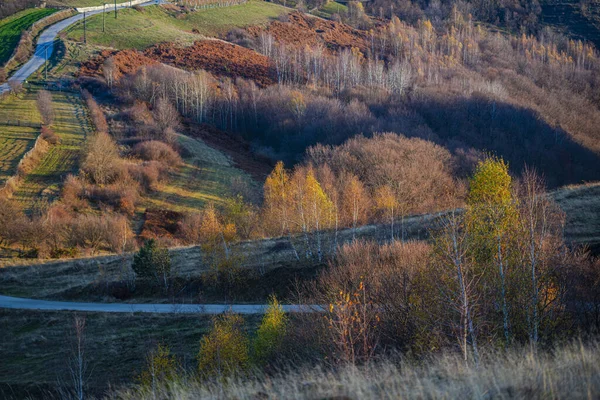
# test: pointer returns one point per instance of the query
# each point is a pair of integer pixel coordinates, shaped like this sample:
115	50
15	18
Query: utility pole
84	29
103	16
115	9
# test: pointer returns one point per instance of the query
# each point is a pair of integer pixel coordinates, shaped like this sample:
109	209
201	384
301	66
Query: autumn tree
319	209
541	223
161	367
44	105
224	351
270	333
276	194
353	325
101	163
458	278
491	218
355	203
387	203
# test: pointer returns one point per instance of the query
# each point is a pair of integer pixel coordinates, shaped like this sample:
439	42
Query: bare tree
77	362
165	114
44	105
452	248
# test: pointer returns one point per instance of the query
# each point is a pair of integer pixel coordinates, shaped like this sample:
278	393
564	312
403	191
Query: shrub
153	150
146	174
161	368
224	351
49	135
102	163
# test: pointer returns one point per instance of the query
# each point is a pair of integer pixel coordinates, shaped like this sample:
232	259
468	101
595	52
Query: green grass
81	3
329	9
72	125
155	24
15	141
22	108
205	177
12	27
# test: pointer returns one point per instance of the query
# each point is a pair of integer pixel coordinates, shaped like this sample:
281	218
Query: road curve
45	45
17	303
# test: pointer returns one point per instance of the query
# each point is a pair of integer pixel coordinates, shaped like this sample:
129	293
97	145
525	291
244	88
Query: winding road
44	305
45	46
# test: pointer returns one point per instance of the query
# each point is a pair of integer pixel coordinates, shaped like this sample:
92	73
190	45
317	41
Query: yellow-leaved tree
491	219
270	333
224	350
161	368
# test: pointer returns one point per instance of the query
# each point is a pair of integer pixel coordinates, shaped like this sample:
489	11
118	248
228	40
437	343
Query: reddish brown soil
302	30
216	57
126	62
219	58
160	223
236	147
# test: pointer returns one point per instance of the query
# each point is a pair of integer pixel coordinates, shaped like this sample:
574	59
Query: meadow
72	125
134	29
12	27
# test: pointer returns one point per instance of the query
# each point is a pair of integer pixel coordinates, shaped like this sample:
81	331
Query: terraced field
72	126
205	177
22	108
12	27
156	24
15	141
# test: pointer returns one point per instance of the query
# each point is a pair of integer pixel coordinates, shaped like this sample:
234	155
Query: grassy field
15	141
582	206
81	3
21	108
329	9
156	24
72	125
205	177
35	349
12	27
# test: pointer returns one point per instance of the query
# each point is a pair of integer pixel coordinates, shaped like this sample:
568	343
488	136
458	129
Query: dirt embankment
217	57
301	30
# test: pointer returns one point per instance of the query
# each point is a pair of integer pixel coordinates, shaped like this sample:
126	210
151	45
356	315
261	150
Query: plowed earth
301	30
216	57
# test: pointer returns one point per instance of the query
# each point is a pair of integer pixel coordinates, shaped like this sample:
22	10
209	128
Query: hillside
158	24
388	199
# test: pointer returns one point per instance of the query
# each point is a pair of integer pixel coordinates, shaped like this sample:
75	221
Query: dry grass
36	346
582	206
569	372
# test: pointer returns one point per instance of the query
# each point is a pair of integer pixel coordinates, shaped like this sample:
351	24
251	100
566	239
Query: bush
153	150
49	135
102	163
224	351
147	174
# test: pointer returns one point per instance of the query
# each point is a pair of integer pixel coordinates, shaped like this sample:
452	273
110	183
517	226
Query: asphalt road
44	305
45	46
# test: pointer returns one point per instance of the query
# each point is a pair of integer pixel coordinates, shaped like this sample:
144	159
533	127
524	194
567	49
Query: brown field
217	57
302	30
